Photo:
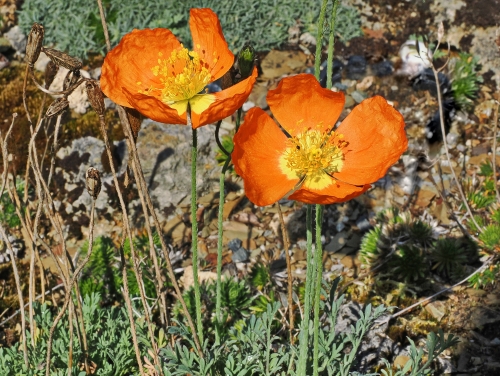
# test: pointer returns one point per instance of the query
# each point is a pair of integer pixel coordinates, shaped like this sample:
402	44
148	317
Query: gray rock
240	254
165	154
17	39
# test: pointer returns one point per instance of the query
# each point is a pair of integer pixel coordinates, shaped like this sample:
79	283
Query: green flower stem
238	119
319	39
194	223
331	45
218	302
304	333
318	258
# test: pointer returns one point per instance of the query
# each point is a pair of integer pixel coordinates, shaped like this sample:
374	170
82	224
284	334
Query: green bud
246	59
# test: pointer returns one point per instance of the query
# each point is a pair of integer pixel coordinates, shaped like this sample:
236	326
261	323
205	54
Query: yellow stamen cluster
193	78
313	154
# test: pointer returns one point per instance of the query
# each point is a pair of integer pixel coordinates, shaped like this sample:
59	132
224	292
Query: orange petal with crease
153	108
337	192
227	102
377	138
209	41
299	102
258	146
132	60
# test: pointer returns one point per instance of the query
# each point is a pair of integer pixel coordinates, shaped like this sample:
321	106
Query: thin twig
430	298
67	298
286	244
445	144
6	239
129	236
57	287
494	156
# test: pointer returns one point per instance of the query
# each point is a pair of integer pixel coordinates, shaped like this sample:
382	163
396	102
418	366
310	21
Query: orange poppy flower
313	163
151	71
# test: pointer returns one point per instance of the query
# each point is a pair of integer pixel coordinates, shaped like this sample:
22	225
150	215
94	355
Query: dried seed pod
134	118
50	73
71	79
96	98
62	59
57	107
93	180
34	44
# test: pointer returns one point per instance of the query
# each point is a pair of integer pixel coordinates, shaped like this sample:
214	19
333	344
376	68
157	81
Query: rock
187	278
495	342
349	102
279	63
41	62
337	243
356	67
17	39
400	361
436	309
358	96
365	83
165	152
384	68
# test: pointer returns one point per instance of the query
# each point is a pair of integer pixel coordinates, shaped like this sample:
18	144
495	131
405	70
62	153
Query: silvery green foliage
108	336
252	348
75	26
435	345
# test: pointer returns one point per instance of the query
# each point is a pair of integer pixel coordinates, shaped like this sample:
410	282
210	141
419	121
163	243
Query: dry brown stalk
3	145
139	173
494	156
443	131
286	244
129	236
68	289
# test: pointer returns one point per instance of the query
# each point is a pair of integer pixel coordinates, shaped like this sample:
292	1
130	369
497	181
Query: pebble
384	68
358	96
356	67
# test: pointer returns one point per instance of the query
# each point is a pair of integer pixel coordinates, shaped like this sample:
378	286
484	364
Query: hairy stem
194	231
318	258
304	333
331	46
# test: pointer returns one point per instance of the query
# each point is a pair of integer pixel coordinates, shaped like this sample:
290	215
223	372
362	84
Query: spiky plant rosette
408	264
448	257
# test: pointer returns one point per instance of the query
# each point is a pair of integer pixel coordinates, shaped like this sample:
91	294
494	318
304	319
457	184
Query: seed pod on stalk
50	73
96	97
63	59
93	181
57	107
34	44
71	79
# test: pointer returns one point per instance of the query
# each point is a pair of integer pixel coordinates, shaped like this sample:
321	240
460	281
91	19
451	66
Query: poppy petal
336	192
209	42
154	109
130	63
376	139
299	102
258	146
226	102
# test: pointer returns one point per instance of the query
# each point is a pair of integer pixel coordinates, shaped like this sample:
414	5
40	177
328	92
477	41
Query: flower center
313	154
193	77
